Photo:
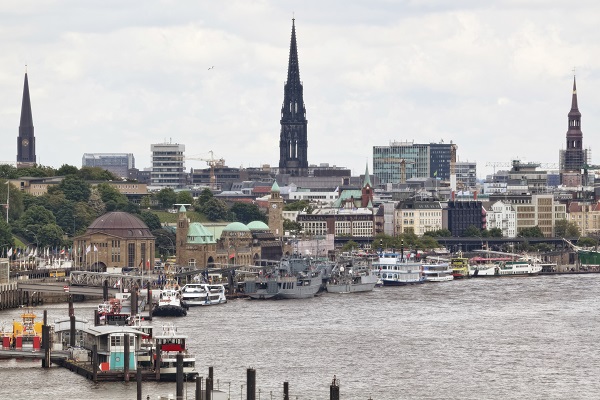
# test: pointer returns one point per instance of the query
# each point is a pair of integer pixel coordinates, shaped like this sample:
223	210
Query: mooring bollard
126	352
138	380
199	388
72	330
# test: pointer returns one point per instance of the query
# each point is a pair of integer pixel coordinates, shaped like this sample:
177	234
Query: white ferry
439	272
203	294
395	270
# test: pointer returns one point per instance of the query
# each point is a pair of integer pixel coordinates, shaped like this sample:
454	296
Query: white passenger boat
203	294
351	279
440	272
396	270
170	343
506	268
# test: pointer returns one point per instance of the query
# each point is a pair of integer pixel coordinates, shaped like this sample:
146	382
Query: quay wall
11	297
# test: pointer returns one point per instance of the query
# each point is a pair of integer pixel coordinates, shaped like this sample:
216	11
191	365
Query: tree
350	245
75	189
6	237
204	197
66	169
97	174
471	231
246	213
108	192
564	228
292	226
530	232
151	220
300	205
145	202
185	197
166	197
587	242
95	202
495	232
165	241
50	235
214	210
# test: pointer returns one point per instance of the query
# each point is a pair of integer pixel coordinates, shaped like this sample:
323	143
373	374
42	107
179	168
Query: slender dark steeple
574	153
26	140
293	143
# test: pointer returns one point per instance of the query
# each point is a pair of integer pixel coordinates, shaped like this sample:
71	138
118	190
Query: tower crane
402	162
212	162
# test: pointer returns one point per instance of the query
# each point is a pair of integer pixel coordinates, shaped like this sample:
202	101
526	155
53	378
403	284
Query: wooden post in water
96	318
138	379
95	363
251	384
105	290
157	361
72	330
134	301
179	377
286	391
334	390
126	352
199	388
46	341
209	388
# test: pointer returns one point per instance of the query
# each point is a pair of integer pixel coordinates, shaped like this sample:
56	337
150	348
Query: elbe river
496	338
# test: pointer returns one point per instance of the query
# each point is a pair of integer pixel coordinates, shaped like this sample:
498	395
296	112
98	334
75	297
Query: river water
497	338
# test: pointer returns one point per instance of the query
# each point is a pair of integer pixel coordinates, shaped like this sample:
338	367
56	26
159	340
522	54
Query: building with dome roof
115	240
238	244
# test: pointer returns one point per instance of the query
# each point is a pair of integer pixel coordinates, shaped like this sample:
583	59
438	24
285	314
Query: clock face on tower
274	206
25	142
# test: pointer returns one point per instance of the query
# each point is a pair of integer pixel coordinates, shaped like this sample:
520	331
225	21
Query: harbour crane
402	162
212	163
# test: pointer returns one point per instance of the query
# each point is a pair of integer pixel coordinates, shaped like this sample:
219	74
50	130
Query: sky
494	77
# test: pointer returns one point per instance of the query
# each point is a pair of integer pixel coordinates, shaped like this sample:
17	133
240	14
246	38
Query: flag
88	249
62	251
118	284
435	173
95	248
9	253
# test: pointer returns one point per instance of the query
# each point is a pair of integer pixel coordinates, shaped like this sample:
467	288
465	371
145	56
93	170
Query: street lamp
241	390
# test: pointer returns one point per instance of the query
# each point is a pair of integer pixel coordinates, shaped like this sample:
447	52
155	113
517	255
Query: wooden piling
126	352
71	308
72	329
209	388
286	391
251	384
138	379
334	390
179	377
134	302
95	363
158	361
105	290
199	388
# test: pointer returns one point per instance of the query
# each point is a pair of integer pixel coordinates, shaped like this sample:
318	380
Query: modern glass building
117	163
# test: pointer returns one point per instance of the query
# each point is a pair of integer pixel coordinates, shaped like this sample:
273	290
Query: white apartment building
504	217
168	166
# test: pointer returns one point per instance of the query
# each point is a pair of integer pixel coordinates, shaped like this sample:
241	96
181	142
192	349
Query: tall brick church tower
293	144
574	157
26	140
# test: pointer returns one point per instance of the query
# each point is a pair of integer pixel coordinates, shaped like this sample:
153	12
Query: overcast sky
494	77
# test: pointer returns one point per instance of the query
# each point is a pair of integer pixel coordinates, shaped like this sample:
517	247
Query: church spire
293	143
367	180
26	140
26	117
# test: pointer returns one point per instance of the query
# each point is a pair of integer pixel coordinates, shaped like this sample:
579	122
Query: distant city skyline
494	78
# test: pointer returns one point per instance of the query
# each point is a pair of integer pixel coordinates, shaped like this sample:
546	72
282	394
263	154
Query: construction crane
212	163
402	162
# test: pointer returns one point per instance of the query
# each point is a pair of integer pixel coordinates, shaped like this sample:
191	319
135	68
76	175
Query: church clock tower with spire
293	143
574	157
26	140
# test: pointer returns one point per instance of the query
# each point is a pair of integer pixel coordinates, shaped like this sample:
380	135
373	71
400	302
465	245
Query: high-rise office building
117	163
168	165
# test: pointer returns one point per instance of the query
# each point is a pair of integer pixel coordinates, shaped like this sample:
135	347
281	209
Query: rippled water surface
505	338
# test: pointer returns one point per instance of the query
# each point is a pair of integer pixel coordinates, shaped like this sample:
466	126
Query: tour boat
396	270
203	294
460	266
441	272
171	343
506	268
